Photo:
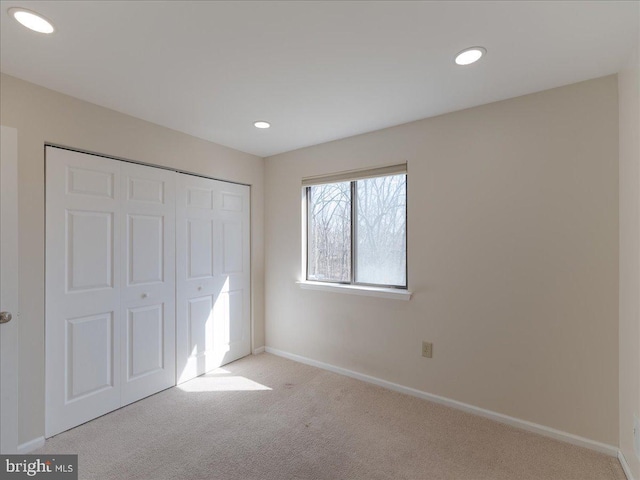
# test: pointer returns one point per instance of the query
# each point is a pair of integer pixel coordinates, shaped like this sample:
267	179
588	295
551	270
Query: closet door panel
83	262
148	281
233	315
197	285
213	326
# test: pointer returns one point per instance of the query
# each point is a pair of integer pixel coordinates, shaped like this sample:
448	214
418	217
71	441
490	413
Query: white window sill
393	293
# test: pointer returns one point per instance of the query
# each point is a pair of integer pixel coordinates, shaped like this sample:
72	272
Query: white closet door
233	309
148	281
82	288
213	274
112	334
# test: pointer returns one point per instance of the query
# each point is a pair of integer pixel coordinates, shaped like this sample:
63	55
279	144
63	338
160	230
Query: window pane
381	231
329	234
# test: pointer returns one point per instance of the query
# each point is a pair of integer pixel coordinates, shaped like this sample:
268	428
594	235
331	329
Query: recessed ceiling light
261	124
31	20
470	55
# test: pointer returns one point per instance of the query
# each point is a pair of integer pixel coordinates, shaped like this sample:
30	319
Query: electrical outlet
427	349
636	435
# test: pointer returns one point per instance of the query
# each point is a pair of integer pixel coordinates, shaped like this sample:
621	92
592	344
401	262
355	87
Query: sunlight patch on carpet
221	384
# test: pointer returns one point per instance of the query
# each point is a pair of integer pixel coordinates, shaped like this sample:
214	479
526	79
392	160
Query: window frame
353	244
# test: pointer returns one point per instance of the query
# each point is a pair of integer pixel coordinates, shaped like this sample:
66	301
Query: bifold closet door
146	270
110	285
213	274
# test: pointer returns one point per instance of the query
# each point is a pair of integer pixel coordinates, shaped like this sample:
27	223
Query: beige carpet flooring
267	418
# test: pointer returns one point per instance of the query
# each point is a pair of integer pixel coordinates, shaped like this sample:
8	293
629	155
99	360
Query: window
357	228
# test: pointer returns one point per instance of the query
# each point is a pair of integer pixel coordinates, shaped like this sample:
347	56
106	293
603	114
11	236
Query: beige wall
629	101
41	116
513	260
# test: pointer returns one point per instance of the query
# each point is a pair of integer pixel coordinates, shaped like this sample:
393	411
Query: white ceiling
317	71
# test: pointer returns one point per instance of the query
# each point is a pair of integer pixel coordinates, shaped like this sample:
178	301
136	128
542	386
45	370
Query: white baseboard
625	465
30	446
258	351
499	417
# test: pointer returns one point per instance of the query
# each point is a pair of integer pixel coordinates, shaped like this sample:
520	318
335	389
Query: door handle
5	317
